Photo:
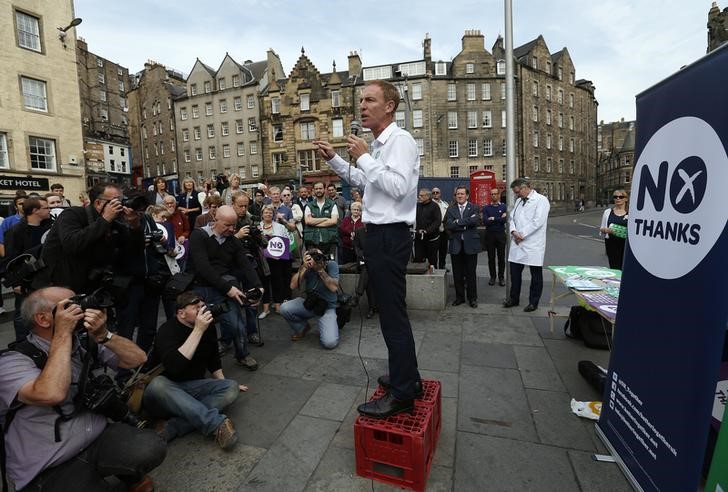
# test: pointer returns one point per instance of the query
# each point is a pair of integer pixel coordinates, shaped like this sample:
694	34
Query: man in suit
462	220
527	231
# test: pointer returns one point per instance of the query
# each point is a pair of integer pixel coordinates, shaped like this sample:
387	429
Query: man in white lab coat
527	229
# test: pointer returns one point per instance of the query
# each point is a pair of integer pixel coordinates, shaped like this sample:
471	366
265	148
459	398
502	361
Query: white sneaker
263	314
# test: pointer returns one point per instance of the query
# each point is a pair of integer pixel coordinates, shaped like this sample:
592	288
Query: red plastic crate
397	450
432	398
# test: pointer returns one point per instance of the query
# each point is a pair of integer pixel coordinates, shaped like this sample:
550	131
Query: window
472	147
571	77
548	140
485	90
335	99
4	161
561	143
305	102
183	113
226	150
487	119
307	159
223	106
144	132
454	172
414	68
571	122
548	165
561	166
193	89
254	173
440	68
420	146
101	77
534	62
208	109
238	103
121	89
212	152
102	95
239	126
503	118
470	91
221	83
487	147
28	31
208	87
242	172
503	90
198	154
571	100
399	118
241	148
252	125
278	133
161	148
472	119
548	67
416	91
470	68
308	131
195	111
224	129
548	117
253	148
210	131
571	145
535	139
452	120
337	127
122	102
185	135
561	120
42	154
380	73
472	169
34	94
196	132
104	114
236	80
251	101
501	67
451	94
534	114
171	124
560	72
560	96
548	92
186	154
534	91
535	163
571	167
417	118
452	148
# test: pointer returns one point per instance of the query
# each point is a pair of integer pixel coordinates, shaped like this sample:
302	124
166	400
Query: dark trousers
141	311
364	285
534	293
121	450
21	330
442	250
495	244
426	249
615	251
280	279
463	272
387	249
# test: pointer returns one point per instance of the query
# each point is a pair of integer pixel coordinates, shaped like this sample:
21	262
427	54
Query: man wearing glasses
527	230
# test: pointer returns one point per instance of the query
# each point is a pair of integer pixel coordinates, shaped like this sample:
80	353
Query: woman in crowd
227	193
346	232
179	222
188	203
277	285
156	196
207	190
211	203
614	228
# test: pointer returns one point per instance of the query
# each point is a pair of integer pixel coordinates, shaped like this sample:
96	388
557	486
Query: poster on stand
672	311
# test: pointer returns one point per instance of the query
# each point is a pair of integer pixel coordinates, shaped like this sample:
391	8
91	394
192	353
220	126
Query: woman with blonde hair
277	285
614	228
227	193
187	201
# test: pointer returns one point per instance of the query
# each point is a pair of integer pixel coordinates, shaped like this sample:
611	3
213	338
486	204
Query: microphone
355	128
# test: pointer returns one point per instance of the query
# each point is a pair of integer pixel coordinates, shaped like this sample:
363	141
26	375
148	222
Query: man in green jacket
321	216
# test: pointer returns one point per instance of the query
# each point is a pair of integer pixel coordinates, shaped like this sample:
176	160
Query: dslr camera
217	310
155	238
102	396
318	257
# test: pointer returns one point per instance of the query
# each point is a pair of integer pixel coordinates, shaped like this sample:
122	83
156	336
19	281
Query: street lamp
62	30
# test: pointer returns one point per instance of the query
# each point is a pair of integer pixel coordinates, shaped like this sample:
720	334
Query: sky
622	46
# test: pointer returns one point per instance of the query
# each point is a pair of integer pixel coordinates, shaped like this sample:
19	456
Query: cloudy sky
623	46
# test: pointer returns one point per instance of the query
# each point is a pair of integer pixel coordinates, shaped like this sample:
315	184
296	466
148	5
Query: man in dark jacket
494	218
427	228
462	220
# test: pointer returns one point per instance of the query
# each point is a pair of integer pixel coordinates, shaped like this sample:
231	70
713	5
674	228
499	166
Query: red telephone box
481	182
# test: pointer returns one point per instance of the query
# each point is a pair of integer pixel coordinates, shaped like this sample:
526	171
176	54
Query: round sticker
276	247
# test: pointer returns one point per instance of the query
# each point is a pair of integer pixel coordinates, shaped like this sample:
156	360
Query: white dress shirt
529	219
388	175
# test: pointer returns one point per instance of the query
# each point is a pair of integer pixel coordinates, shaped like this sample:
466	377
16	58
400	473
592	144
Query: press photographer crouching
187	348
52	438
319	277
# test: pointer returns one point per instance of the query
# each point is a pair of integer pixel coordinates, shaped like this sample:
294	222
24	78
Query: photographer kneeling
52	440
319	277
187	347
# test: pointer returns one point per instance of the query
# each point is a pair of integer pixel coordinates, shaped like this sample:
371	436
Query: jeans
297	316
121	450
232	323
192	404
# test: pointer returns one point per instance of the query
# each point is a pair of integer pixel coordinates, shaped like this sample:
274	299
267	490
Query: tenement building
717	26
40	120
103	86
615	147
218	119
152	124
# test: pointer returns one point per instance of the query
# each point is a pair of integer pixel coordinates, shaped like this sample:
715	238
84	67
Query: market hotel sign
23	183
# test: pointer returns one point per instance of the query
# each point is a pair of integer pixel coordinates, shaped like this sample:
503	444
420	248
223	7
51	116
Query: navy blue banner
673	301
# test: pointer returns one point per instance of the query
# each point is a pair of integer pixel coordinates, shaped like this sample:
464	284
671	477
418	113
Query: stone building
103	86
152	125
218	119
40	121
615	147
717	26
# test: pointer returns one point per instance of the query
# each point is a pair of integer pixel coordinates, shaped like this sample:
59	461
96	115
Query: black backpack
589	326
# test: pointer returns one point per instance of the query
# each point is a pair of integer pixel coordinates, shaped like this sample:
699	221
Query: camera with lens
217	310
98	299
19	271
155	238
253	295
315	303
102	396
317	257
136	202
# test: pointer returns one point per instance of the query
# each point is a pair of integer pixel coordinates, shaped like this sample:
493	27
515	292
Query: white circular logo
597	273
276	247
677	208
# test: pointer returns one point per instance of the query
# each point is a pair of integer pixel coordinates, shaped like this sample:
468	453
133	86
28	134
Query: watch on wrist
109	335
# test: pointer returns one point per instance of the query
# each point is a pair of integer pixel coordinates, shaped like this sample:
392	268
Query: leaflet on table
581	284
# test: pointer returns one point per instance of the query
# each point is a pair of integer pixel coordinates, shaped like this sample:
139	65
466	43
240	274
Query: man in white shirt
389	176
527	231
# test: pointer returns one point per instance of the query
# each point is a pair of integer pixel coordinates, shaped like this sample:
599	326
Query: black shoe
509	303
473	304
491	281
223	348
457	302
385	406
502	283
384	383
371	313
530	308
